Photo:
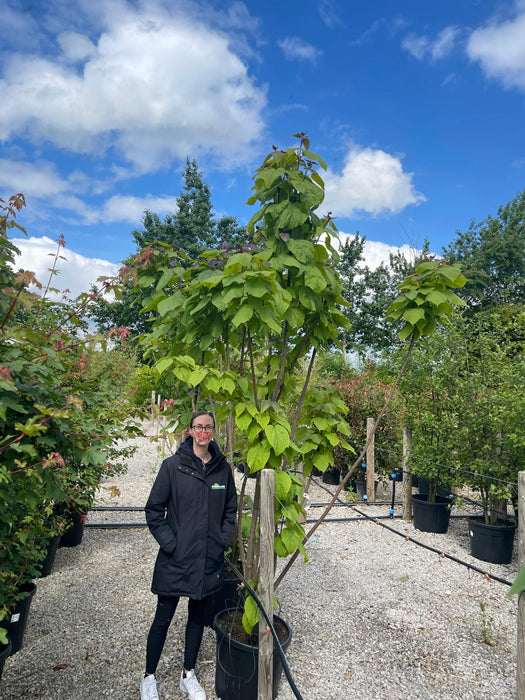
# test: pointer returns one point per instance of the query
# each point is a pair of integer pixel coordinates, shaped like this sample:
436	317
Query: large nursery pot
226	597
5	652
423	486
492	543
237	664
360	489
331	476
18	618
46	566
72	537
429	516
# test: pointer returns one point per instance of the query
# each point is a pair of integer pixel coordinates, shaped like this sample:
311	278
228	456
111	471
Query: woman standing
191	513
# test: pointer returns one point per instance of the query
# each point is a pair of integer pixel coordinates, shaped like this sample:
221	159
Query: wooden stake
266	584
520	694
407	477
370	462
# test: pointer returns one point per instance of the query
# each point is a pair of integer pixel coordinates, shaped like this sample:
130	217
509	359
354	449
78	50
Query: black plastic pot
430	517
360	488
493	543
424	486
46	567
18	618
237	665
226	597
332	476
72	537
5	653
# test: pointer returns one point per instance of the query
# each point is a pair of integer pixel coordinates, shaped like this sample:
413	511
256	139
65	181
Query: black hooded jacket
191	513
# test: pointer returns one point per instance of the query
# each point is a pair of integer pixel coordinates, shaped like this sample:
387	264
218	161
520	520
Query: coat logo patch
217	486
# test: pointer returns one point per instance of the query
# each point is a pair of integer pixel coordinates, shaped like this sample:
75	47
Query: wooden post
520	694
370	462
407	477
265	679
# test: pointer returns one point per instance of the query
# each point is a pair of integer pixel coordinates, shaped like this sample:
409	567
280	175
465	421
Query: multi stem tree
235	329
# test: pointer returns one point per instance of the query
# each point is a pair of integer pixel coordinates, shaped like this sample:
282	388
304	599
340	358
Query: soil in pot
493	543
431	517
237	666
18	619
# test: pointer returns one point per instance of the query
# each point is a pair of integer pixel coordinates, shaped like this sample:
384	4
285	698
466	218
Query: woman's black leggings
166	606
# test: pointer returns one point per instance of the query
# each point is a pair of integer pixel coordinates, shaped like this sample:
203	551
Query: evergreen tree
192	228
369	293
492	257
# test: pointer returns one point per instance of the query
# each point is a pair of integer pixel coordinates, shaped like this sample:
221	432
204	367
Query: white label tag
15	617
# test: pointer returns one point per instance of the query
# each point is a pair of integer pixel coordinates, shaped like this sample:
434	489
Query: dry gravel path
374	616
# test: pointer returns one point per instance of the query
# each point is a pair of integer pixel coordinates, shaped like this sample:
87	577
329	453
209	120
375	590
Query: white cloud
432	49
371	182
131	209
375	253
76	272
153	86
295	48
35	179
500	49
42	185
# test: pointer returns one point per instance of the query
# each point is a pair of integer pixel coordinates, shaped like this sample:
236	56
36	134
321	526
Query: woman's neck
202	452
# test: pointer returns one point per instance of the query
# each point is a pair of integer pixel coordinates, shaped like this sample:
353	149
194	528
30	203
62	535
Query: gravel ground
373	615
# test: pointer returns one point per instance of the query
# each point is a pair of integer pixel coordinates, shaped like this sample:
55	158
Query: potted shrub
365	393
491	428
429	389
57	431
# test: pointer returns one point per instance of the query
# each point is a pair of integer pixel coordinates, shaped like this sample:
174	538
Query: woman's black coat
191	513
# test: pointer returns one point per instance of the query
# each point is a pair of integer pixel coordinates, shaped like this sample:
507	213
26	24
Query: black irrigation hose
125	526
269	622
100	508
115	526
437	551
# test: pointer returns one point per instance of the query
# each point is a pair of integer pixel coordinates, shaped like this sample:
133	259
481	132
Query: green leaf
303	250
413	316
291	217
162	365
314	278
519	583
243	315
257	456
250	616
291	538
256	287
283	484
278	437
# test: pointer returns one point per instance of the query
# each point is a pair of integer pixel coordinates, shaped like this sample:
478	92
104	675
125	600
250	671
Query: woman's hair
197	414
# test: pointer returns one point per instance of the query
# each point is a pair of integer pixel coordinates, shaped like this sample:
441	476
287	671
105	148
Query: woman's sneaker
191	685
148	688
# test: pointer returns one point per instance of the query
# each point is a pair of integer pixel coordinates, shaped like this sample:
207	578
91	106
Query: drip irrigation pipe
109	508
437	551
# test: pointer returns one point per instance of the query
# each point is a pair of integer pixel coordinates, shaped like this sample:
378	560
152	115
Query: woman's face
202	431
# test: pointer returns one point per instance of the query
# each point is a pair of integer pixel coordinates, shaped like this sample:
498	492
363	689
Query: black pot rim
507	523
440	500
242	645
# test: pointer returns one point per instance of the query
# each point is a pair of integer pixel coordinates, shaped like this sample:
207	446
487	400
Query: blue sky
417	107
